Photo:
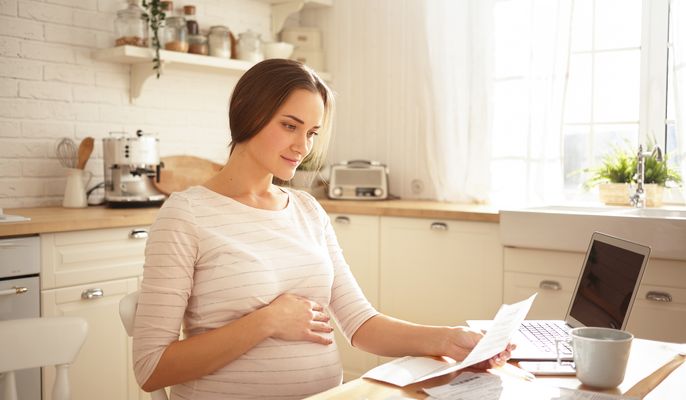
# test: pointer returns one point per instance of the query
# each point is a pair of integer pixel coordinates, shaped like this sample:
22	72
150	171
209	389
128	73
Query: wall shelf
281	9
140	59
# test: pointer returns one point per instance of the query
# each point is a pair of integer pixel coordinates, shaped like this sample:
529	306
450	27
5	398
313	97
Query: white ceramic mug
75	191
600	355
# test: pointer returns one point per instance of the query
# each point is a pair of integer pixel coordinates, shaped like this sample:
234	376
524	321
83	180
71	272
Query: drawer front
73	258
554	293
558	263
659	313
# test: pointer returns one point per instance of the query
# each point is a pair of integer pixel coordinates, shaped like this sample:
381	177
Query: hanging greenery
155	17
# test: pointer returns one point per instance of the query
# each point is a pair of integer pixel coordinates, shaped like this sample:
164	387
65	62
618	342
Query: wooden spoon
85	150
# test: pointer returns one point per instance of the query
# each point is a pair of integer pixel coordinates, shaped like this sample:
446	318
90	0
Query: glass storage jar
175	34
220	40
197	44
249	47
131	26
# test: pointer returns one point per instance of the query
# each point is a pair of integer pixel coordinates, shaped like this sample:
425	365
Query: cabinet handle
439	226
550	285
661	297
138	234
343	220
90	294
14	290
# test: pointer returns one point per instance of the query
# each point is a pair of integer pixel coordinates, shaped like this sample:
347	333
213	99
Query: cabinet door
358	236
553	274
103	367
440	272
659	311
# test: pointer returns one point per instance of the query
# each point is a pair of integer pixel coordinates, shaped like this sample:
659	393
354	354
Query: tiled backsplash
50	87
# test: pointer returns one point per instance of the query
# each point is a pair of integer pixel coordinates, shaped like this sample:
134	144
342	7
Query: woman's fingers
320	316
320	327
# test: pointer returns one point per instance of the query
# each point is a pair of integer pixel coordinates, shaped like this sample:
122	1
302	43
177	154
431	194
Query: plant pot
614	193
618	194
654	193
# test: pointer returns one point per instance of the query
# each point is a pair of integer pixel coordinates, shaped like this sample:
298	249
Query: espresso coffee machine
132	164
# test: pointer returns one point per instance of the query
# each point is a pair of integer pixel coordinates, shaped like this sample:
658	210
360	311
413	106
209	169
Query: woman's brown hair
264	88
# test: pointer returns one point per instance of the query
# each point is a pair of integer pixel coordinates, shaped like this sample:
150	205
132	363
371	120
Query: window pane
616	78
576	154
510	119
606	138
617	24
582	25
508	180
577	103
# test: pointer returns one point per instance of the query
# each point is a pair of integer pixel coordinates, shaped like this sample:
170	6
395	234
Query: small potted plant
657	176
615	178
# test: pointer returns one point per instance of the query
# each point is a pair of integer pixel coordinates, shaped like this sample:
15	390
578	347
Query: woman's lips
291	161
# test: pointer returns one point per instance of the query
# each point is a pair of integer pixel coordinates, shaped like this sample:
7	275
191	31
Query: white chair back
40	342
127	313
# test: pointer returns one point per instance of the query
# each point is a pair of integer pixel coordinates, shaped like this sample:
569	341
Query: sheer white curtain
459	37
532	39
678	17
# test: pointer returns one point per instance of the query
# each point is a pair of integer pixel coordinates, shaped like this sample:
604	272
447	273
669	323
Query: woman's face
288	138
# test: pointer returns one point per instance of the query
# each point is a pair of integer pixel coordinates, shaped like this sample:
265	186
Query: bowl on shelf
277	50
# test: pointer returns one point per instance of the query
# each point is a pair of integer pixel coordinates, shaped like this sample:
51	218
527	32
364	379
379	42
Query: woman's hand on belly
296	318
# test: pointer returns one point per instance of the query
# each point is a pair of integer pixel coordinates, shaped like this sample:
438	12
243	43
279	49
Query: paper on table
484	386
407	370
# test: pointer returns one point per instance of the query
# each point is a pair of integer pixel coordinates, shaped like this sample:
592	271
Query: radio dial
337	191
378	192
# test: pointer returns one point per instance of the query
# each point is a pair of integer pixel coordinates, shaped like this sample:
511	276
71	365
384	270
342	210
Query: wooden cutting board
181	172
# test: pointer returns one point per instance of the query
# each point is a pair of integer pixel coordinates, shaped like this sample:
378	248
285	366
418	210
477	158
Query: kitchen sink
569	227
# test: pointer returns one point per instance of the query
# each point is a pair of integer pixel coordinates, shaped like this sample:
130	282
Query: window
614	92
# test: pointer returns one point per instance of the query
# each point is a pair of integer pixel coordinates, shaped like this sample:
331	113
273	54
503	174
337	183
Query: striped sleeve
349	307
170	256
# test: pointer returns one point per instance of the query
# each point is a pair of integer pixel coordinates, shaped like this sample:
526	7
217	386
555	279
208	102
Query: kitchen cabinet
85	274
553	274
358	236
658	313
103	367
439	272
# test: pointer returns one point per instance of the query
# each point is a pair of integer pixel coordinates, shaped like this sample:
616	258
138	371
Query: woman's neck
247	184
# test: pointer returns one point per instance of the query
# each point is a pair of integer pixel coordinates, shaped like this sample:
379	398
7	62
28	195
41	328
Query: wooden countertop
58	219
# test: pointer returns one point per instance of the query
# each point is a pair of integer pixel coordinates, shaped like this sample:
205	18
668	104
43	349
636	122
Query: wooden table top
646	357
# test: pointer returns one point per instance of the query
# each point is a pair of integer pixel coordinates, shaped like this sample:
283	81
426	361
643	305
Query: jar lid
189	10
219	28
132	10
167	6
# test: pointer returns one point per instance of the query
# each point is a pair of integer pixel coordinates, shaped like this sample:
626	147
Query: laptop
604	294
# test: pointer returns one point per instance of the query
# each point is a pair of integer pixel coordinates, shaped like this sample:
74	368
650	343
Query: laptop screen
606	289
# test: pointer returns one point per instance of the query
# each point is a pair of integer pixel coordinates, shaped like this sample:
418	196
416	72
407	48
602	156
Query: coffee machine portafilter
132	164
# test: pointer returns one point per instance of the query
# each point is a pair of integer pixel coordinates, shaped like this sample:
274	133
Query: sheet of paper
407	370
484	386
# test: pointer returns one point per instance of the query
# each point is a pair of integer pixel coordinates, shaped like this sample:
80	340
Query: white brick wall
50	87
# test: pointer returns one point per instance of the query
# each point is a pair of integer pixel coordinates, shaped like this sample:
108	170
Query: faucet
638	199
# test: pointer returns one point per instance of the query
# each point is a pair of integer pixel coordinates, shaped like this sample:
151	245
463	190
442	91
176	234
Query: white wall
50	87
377	114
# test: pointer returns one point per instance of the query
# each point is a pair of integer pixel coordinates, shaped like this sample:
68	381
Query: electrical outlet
417	186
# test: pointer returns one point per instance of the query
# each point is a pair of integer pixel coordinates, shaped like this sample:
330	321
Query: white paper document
485	386
407	370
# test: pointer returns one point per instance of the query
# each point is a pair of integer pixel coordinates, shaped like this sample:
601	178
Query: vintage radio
359	180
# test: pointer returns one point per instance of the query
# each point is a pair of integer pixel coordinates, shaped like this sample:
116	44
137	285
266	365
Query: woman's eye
310	134
290	127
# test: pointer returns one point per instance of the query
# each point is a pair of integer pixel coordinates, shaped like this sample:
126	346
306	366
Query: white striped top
210	260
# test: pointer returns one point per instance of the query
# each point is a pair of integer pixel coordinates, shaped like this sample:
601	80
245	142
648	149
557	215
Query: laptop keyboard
543	334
